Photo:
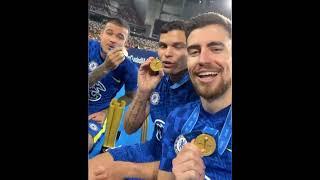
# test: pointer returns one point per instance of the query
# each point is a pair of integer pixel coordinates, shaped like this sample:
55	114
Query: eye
109	33
121	37
216	49
193	52
162	46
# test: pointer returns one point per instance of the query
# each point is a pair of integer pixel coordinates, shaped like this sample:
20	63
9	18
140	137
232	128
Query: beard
210	92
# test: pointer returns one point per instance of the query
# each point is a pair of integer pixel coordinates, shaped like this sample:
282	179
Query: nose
112	39
168	51
205	56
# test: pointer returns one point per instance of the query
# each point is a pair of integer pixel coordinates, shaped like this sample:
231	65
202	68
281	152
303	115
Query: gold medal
155	65
125	52
206	142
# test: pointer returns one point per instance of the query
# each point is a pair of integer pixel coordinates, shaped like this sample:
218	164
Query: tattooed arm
98	74
137	113
128	97
115	57
139	108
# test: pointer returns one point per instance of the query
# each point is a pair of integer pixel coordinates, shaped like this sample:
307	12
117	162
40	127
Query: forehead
208	34
173	36
116	28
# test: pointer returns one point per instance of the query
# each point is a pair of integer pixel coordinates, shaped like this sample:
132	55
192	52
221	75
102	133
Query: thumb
99	170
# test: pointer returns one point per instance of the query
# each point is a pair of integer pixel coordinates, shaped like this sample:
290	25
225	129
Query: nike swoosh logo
117	80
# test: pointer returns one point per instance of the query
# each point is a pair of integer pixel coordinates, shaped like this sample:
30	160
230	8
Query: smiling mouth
206	76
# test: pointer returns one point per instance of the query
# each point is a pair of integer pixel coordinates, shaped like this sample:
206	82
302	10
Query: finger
192	147
193	142
91	116
190	175
147	63
115	55
97	118
183	158
116	60
99	170
187	154
145	68
188	165
202	176
102	177
150	59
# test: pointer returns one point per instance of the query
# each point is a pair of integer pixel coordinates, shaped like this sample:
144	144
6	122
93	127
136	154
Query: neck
217	104
177	77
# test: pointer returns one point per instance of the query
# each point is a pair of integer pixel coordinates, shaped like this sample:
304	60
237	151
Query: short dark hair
117	21
208	18
173	25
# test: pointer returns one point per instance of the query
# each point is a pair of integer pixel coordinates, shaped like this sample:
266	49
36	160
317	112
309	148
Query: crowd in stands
133	41
123	10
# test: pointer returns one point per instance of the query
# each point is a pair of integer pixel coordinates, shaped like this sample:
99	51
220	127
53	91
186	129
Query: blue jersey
164	99
101	93
217	166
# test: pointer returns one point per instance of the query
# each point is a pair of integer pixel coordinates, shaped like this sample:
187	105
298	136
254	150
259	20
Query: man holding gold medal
197	137
162	86
109	70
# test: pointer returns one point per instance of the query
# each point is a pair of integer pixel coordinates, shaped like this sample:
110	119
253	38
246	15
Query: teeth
208	74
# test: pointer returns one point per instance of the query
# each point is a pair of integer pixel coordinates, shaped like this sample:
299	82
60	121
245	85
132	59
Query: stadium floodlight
228	4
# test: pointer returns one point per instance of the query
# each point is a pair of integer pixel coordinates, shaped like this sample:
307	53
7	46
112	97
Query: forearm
97	74
137	113
126	98
164	175
139	170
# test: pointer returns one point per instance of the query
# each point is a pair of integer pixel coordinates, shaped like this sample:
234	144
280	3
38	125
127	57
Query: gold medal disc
206	142
155	65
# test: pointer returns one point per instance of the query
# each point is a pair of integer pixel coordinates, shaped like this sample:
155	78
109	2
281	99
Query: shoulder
93	49
185	109
128	65
93	43
181	113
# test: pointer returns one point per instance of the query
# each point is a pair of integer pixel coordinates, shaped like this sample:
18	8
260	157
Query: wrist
143	95
106	67
129	169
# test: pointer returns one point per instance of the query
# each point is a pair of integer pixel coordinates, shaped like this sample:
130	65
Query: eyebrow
214	43
179	43
195	46
162	43
174	44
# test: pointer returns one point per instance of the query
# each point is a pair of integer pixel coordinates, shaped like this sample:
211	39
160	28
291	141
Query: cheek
191	63
120	41
103	39
160	53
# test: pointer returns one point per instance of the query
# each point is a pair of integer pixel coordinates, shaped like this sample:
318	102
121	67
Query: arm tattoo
97	74
136	115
